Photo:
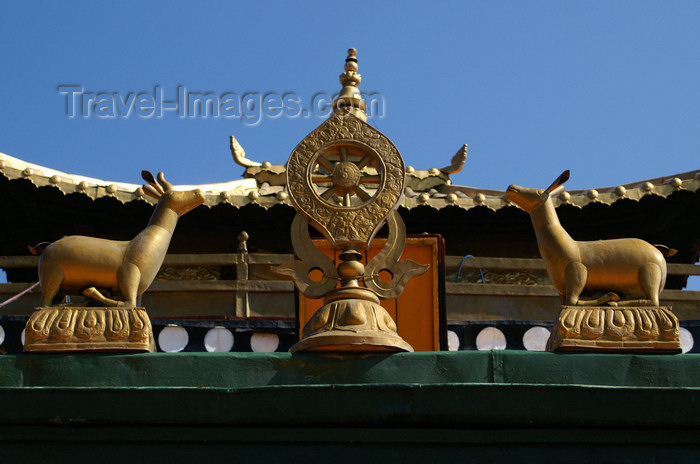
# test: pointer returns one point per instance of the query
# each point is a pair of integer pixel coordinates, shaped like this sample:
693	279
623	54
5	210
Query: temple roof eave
249	190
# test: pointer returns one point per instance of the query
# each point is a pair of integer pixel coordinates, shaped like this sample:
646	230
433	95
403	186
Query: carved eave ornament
238	192
247	191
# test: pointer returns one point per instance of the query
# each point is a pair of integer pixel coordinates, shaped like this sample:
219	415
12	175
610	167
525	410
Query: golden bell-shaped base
351	320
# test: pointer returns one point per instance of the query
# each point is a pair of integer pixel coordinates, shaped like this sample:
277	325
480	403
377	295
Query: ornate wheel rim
319	192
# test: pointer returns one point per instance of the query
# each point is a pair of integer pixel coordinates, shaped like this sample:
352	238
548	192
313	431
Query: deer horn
148	177
166	185
150	191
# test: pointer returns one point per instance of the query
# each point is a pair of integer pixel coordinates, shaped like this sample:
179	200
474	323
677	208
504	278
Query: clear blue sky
608	89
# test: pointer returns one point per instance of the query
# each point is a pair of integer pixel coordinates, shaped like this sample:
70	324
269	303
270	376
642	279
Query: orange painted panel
418	312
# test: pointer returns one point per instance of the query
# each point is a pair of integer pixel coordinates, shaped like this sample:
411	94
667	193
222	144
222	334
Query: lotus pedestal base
647	329
75	329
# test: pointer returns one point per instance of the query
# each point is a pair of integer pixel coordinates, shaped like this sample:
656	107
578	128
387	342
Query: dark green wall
414	407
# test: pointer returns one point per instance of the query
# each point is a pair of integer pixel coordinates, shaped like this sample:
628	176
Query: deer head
179	201
530	199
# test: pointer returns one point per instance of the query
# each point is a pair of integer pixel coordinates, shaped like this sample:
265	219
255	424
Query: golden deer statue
628	267
78	265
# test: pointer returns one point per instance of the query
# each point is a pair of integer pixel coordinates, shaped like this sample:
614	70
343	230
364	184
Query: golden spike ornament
349	99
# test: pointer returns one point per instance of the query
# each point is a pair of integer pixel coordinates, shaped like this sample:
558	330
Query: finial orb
351	61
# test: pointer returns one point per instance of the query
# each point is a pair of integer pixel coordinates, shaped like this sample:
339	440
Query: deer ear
557	191
151	192
148	177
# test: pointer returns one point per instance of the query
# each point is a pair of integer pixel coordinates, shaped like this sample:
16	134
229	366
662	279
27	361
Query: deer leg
129	277
641	302
93	293
51	280
651	279
611	298
575	276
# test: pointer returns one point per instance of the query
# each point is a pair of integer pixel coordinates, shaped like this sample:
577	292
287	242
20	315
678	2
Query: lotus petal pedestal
616	329
71	329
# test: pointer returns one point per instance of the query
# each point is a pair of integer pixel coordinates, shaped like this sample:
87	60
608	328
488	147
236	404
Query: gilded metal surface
242	300
388	260
628	328
351	318
78	265
457	162
237	193
351	324
238	154
629	269
266	174
61	329
310	258
346	179
349	100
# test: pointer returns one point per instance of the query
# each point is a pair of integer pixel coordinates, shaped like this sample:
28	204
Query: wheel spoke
328	193
364	196
371	179
320	179
322	170
364	162
347	190
323	161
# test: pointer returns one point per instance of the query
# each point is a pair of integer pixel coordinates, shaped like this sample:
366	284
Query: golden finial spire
349	99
